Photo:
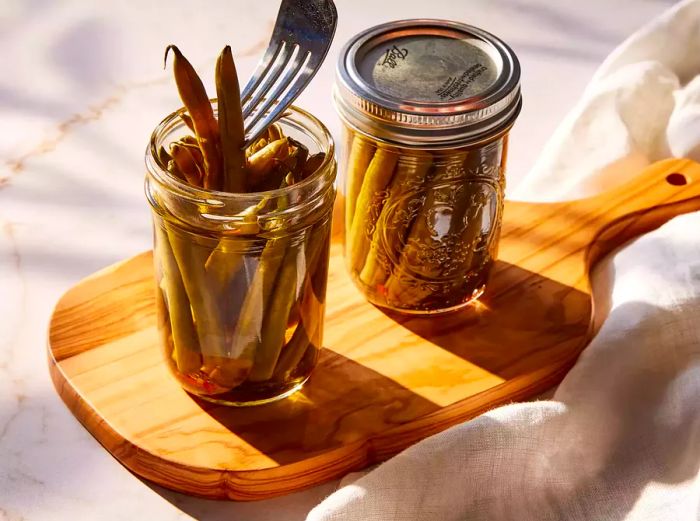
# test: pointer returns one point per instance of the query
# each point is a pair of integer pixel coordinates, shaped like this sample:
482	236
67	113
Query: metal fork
300	41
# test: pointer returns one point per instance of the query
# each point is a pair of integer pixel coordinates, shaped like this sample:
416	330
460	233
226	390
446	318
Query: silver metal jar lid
418	82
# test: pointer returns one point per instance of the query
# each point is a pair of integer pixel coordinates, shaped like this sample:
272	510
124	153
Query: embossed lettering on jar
427	107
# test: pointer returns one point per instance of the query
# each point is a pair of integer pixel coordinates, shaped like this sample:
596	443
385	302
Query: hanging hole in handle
676	179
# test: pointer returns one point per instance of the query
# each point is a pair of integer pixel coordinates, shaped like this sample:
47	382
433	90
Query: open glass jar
427	106
241	278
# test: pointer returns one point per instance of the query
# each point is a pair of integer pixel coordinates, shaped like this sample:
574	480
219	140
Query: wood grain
383	382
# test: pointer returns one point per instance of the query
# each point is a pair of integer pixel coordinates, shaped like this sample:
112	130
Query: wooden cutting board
383	381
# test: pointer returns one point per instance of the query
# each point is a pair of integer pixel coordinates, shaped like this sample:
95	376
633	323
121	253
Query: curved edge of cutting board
284	478
253	485
202	482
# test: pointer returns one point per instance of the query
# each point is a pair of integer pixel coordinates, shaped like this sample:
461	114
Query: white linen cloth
620	438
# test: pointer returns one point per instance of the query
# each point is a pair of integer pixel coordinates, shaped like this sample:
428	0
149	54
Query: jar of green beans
427	106
241	277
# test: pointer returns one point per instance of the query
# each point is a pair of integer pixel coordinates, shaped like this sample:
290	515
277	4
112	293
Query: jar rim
389	106
370	132
173	120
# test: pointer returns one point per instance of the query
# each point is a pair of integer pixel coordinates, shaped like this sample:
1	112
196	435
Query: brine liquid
241	326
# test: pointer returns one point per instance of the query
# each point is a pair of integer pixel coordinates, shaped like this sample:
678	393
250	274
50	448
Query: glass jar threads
241	278
427	106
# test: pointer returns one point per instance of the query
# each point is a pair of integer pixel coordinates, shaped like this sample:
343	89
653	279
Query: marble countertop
82	88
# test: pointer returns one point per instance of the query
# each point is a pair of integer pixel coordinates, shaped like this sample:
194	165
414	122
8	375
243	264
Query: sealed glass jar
427	106
241	278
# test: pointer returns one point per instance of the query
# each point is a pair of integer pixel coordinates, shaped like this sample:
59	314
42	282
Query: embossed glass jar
241	278
427	106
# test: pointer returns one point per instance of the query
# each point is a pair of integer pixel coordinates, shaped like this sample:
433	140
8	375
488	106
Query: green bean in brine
241	253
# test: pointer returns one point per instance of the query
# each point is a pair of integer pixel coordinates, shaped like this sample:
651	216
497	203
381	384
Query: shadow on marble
579	54
20	101
553	19
87	54
62	187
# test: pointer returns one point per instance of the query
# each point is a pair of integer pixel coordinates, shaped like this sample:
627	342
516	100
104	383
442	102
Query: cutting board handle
563	241
665	182
662	191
